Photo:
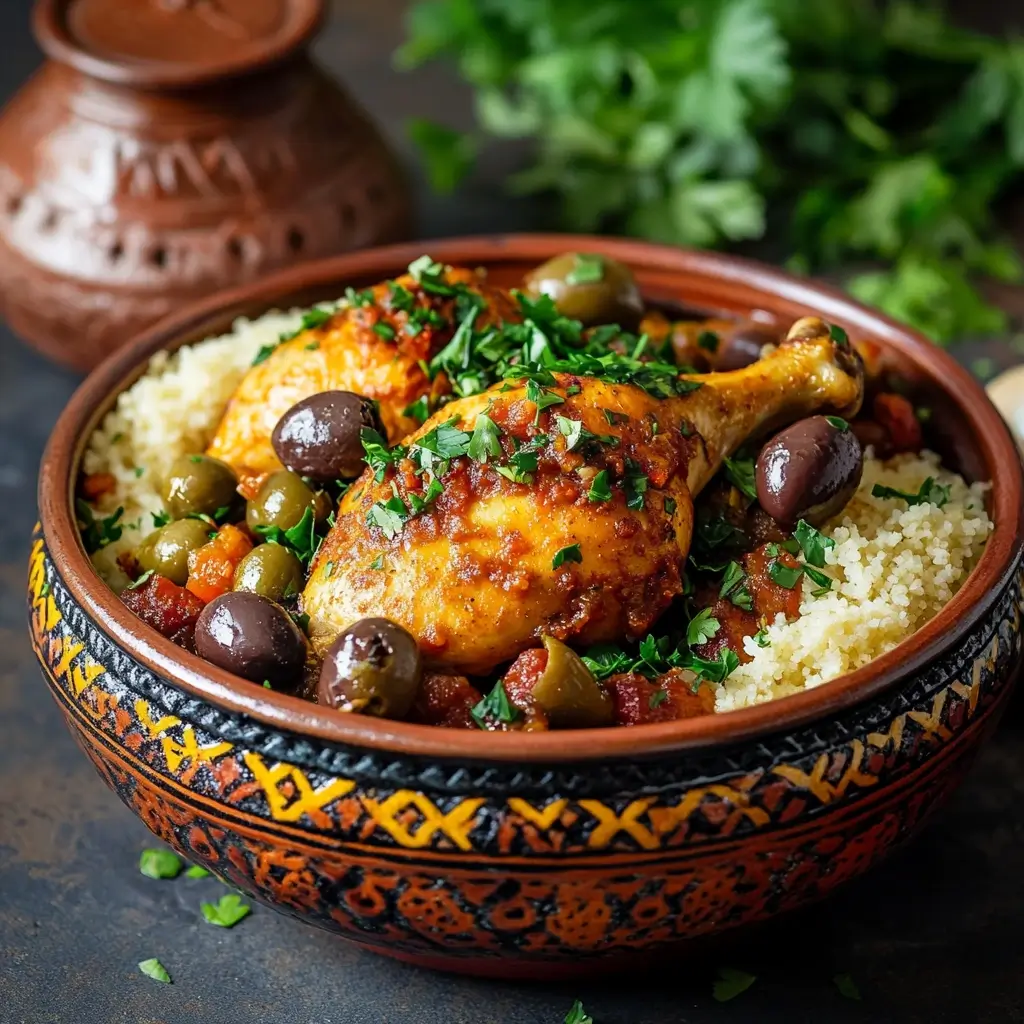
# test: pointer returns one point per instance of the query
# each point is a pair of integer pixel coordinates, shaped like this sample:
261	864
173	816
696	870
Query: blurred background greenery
883	141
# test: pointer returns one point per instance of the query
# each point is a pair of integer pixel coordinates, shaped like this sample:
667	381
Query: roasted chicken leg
374	345
564	510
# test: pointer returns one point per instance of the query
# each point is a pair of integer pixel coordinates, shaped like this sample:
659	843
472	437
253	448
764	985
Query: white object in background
1007	394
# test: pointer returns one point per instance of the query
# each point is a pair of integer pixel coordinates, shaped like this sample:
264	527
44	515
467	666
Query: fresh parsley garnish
389	515
734	587
702	628
383	330
600	489
929	492
97	533
838	422
635	485
301	539
708	340
570	553
152	968
784	575
418	410
577	1015
813	543
160	518
740	473
484	443
160	863
761	638
495	707
657	698
716	671
227	911
195	871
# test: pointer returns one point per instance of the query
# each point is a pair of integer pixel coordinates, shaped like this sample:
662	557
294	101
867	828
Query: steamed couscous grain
894	565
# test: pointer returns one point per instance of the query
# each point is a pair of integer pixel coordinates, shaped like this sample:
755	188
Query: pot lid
173	43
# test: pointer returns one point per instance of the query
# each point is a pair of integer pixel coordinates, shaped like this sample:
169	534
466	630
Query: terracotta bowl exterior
532	854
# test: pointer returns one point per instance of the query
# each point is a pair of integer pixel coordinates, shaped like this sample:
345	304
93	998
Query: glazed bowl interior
965	428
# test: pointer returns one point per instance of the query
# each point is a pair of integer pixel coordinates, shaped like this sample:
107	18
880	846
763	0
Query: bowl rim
295	715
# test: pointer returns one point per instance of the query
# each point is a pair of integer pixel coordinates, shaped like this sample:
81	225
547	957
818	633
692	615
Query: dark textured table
932	936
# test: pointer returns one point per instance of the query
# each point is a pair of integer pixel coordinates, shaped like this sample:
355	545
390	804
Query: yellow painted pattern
610	823
177	752
288	790
544	818
456	824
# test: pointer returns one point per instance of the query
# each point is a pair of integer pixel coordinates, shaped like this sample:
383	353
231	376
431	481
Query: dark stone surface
932	936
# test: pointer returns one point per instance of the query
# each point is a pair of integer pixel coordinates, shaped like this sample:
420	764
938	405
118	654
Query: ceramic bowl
533	854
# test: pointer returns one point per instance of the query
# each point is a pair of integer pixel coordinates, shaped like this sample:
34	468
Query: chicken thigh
563	510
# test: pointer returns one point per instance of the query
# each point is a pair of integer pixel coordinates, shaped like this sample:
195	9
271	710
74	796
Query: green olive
283	499
270	570
165	551
568	692
199	485
592	289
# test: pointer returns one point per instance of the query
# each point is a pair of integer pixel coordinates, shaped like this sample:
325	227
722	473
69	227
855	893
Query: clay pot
550	853
171	148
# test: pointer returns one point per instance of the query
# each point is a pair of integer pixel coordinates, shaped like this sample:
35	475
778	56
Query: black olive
374	667
319	437
253	637
742	346
809	471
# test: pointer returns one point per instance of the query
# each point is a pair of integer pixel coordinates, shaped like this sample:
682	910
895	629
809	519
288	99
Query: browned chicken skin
347	353
473	577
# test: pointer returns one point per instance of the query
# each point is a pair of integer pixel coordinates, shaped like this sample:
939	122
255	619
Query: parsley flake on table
929	492
702	628
152	968
730	983
197	872
227	911
570	553
577	1015
495	707
160	863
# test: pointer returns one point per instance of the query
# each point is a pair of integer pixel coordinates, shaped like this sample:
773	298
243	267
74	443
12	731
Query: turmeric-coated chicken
374	345
561	507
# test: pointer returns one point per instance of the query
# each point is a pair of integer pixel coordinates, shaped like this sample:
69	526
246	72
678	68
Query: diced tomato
171	610
212	569
734	623
897	416
520	680
95	485
669	698
769	597
447	701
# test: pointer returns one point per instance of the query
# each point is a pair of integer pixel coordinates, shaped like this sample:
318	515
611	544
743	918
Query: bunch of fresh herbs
855	132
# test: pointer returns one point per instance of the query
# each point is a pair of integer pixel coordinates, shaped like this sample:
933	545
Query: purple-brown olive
809	471
253	637
374	667
742	346
319	437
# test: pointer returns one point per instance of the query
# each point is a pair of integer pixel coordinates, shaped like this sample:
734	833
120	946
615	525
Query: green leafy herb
448	154
355	299
97	533
378	562
709	341
846	986
657	698
418	410
702	628
389	515
670	506
838	422
606	660
838	335
301	538
160	863
152	968
264	352
785	575
577	1015
600	489
495	707
812	543
734	587
761	638
740	473
571	553
586	269
823	580
160	519
614	417
383	330
929	492
377	455
731	983
484	443
195	871
635	484
541	397
312	346
716	671
227	911
138	471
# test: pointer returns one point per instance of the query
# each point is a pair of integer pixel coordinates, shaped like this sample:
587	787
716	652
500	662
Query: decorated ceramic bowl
533	854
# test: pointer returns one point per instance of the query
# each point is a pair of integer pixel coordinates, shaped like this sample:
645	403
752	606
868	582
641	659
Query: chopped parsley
418	410
571	553
712	532
761	638
227	911
389	515
160	518
378	562
838	422
312	318
383	330
716	671
376	453
312	346
670	506
708	340
576	1014
400	297
152	968
600	490
355	299
838	335
576	434
301	539
702	628
541	397
734	587
484	443
730	983
160	863
740	473
785	575
929	492
614	417
97	533
495	707
197	872
813	543
138	471
635	484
